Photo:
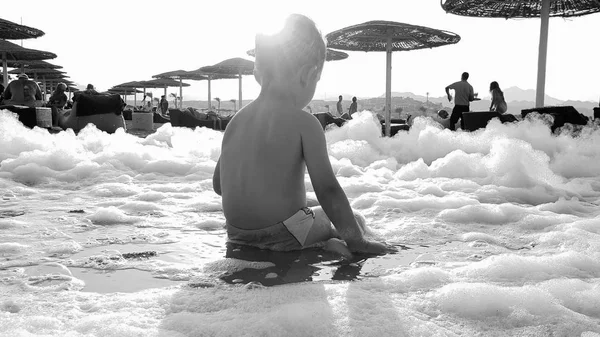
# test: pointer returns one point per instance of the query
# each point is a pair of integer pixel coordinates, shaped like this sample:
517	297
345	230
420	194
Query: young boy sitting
267	146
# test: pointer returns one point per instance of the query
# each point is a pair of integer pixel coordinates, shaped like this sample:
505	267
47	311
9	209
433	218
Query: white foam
502	222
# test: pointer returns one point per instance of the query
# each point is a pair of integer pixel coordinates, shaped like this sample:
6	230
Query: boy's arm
217	178
330	194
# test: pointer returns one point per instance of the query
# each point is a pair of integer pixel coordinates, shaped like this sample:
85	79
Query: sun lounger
396	125
104	111
191	119
27	115
127	114
474	120
159	118
561	114
326	119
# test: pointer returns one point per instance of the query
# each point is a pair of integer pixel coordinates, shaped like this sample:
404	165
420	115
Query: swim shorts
286	235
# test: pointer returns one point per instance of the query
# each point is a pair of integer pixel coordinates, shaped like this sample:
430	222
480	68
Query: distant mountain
517	94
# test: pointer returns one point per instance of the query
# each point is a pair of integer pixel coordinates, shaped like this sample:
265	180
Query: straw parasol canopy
209	78
125	91
40	73
389	37
520	8
330	55
32	64
32	71
234	66
508	9
157	83
181	75
13	31
14	52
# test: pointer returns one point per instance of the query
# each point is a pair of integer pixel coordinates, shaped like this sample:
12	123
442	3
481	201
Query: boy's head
293	56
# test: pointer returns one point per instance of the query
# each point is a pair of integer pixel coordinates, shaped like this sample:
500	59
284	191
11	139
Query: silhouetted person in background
463	95
164	105
353	107
90	90
340	109
23	91
57	102
498	103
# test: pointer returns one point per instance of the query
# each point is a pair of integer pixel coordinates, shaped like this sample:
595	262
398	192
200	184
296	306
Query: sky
119	41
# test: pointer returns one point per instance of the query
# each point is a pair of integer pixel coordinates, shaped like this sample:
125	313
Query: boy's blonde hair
299	43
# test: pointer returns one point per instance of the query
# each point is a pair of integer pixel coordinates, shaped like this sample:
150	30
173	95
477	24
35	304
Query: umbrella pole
134	99
388	87
181	92
45	88
4	73
209	100
541	75
240	74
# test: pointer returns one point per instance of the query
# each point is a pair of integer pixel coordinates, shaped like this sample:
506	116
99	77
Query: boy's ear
307	74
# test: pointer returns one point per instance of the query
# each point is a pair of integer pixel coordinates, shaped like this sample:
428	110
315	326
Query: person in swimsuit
498	103
23	91
340	109
57	102
353	107
267	146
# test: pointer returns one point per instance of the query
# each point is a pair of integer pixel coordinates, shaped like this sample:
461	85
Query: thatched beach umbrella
330	55
209	78
13	52
234	66
125	91
14	31
34	71
39	73
180	75
388	36
543	9
132	85
162	83
32	64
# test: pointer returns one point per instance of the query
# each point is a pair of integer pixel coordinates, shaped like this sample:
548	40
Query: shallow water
117	235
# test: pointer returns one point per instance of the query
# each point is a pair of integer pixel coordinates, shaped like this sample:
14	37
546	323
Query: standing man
164	105
340	109
463	95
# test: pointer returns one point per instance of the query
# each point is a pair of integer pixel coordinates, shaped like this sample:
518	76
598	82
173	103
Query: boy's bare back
268	145
262	164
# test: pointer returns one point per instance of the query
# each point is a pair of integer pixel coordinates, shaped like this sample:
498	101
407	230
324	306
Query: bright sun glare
271	24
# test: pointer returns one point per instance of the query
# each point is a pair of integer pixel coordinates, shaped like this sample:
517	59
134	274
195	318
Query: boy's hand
369	247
